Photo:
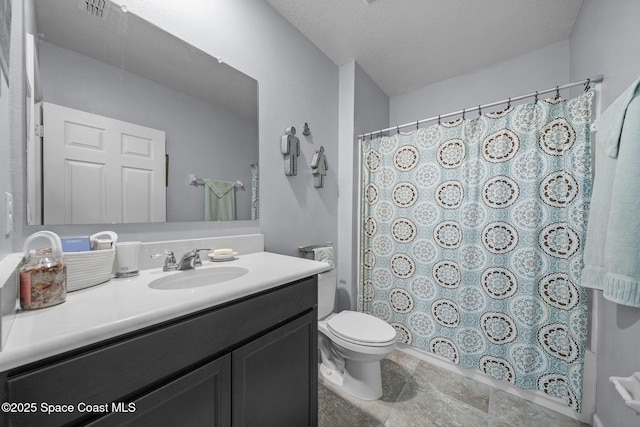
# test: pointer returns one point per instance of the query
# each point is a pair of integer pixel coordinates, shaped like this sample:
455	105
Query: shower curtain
255	186
471	241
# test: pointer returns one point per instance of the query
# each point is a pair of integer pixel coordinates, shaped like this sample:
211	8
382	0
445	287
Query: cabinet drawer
127	368
199	398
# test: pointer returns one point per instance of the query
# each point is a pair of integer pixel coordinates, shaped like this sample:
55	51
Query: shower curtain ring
463	112
509	104
557	92
479	110
439	119
398	129
417	122
587	85
536	98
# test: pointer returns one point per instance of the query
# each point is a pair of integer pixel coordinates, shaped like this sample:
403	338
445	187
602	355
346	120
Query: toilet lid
362	328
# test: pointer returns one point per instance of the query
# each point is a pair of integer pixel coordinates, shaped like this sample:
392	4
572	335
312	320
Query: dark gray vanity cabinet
271	384
251	362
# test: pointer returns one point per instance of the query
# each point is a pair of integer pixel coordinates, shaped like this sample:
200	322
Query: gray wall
540	69
297	84
363	107
605	41
201	138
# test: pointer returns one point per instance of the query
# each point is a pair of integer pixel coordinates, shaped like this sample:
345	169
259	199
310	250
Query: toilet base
359	379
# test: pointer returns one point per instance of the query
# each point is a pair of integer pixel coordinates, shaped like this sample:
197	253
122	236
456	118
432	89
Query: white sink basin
197	278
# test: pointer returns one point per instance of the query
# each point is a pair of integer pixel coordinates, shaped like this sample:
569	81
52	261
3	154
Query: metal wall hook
306	131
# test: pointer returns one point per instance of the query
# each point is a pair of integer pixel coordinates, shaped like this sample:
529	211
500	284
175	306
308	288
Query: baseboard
596	421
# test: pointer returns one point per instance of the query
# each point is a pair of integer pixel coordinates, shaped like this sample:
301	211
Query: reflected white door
99	170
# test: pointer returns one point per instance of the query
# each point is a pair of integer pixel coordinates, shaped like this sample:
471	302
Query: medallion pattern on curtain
472	237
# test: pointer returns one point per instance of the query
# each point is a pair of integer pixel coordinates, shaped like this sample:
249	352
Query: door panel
100	170
85	182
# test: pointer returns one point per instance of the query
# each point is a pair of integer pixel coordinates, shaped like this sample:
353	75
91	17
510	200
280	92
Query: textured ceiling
407	44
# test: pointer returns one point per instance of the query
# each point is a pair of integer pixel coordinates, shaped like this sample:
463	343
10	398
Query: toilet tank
327	283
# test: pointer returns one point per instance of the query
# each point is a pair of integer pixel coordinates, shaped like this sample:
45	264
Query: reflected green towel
219	200
612	246
324	254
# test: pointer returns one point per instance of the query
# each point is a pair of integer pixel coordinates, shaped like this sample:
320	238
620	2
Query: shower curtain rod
597	79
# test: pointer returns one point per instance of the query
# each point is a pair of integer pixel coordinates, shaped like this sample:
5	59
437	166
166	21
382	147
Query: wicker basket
86	269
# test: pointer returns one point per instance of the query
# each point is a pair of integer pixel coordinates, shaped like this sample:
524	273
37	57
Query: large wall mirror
138	126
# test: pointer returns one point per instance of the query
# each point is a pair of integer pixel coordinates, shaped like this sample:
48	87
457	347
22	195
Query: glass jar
43	280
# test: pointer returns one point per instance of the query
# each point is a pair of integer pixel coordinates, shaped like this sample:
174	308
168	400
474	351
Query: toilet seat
362	329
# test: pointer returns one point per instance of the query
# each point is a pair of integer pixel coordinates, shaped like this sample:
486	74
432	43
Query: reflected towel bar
194	180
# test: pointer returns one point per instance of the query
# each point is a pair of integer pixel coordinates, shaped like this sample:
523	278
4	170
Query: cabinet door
199	398
275	377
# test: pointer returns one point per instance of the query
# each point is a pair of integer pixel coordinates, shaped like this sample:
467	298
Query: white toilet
351	344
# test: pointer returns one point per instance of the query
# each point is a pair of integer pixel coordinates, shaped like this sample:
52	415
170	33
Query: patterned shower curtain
255	186
472	237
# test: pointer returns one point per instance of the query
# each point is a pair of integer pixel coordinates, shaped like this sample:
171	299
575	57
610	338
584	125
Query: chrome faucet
190	260
169	261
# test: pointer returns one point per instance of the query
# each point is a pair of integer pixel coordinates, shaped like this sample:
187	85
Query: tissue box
75	244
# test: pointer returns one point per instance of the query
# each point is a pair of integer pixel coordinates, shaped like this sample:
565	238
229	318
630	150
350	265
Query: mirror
94	57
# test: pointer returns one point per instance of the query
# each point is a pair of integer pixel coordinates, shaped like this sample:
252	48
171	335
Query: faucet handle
169	261
197	262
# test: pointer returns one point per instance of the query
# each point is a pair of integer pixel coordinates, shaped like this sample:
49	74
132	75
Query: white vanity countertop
125	305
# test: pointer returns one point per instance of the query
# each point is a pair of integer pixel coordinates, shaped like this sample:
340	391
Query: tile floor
416	393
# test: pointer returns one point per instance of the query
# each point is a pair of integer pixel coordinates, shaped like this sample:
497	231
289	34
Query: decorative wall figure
290	148
319	167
